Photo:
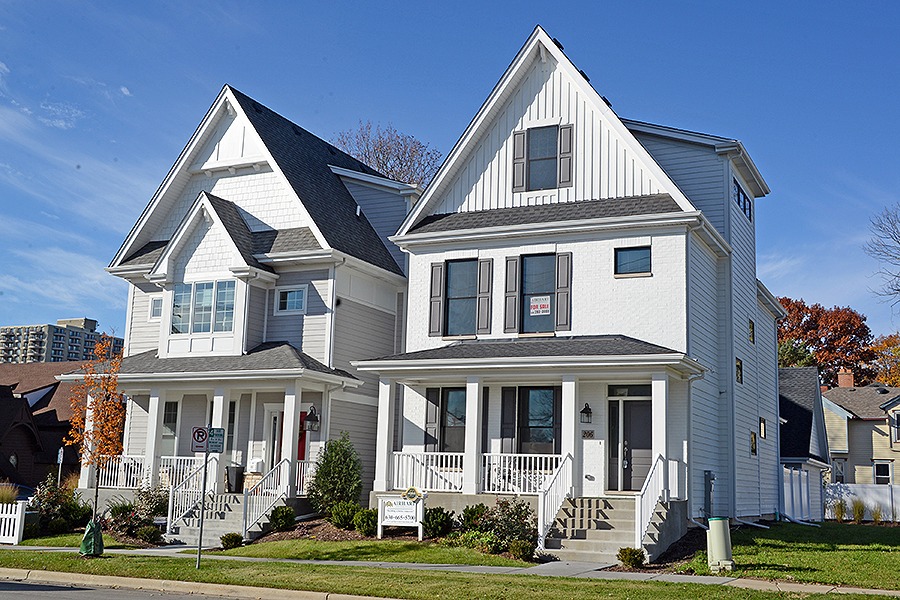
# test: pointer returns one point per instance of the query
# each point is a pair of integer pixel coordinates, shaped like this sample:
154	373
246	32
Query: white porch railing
260	499
551	497
175	469
12	522
305	471
185	496
517	473
122	472
432	471
645	502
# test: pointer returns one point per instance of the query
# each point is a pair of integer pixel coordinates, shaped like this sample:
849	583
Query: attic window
542	158
740	197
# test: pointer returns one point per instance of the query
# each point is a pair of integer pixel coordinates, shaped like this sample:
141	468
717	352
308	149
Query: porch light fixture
586	413
312	420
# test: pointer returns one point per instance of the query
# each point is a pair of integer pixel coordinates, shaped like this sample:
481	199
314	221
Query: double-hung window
156	306
538	295
882	473
542	158
460	297
203	307
445	419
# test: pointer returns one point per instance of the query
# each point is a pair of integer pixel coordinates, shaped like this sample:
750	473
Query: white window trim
890	466
150	317
292	288
894	426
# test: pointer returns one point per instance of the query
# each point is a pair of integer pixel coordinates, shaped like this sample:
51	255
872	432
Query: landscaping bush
8	492
858	508
522	549
53	502
632	558
840	510
338	476
342	514
486	542
149	533
437	522
877	514
231	540
151	502
57	526
366	522
122	518
512	519
282	518
31	531
474	518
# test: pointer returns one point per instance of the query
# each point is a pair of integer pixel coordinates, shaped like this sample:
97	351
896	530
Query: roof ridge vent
583	74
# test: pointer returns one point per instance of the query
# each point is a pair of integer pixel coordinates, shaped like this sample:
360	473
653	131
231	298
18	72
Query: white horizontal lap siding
696	169
604	165
143	334
836	430
362	332
136	427
385	211
767	360
707	443
359	421
306	332
256	316
193	414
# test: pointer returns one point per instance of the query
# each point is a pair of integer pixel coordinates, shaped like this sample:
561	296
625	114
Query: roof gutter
467	364
278	374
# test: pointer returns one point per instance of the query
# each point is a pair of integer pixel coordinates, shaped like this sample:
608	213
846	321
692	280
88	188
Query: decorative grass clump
633	558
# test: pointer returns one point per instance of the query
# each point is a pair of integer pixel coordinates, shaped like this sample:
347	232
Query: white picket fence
12	522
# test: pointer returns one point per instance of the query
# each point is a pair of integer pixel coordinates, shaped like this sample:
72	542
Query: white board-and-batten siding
604	165
360	333
359	421
308	332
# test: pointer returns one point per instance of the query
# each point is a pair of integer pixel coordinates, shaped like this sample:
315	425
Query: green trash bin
92	542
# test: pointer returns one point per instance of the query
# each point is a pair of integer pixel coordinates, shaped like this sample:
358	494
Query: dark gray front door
637	443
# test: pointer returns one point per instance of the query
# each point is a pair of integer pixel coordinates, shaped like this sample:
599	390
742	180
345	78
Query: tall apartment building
69	339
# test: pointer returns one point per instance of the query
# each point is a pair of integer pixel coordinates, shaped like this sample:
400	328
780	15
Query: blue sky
98	99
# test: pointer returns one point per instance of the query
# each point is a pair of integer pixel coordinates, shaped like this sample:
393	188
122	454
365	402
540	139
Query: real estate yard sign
405	510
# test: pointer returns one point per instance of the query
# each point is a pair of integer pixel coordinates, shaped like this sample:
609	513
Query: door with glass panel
630	437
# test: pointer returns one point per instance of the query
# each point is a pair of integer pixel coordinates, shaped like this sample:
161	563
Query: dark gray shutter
485	282
436	306
557	420
511	296
432	419
485	398
564	291
565	155
508	420
518	163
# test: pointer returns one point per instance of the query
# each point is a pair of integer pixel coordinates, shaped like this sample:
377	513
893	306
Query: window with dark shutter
565	156
436	305
432	419
564	291
511	296
485	283
508	402
538	293
542	152
462	296
518	166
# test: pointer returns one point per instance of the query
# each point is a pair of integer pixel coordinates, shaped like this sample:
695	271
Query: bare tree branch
397	155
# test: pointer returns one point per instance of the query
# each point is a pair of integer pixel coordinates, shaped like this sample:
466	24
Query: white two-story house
258	271
585	327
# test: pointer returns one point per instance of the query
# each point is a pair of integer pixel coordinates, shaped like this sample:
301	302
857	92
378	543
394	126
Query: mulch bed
671	560
322	530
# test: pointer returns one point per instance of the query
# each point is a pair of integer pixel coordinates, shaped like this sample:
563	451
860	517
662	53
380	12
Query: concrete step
589	534
588	546
578	556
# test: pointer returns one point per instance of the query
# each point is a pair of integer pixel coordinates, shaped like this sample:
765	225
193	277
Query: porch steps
224	514
593	529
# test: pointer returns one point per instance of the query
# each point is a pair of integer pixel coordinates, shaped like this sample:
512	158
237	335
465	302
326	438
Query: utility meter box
718	545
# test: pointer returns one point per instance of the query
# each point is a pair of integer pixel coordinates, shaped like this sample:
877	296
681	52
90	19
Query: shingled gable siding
385	211
362	332
306	332
359	420
143	334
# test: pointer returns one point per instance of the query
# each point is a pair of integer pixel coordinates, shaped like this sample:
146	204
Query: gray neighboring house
804	443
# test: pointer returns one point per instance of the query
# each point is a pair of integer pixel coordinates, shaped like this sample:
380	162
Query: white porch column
218	420
660	437
569	416
290	434
384	442
88	472
472	457
154	433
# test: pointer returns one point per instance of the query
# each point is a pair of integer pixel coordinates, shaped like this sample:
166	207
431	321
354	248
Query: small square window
632	260
753	449
762	428
882	473
291	300
751	331
739	370
156	306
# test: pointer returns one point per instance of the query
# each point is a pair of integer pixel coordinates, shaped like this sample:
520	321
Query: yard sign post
200	443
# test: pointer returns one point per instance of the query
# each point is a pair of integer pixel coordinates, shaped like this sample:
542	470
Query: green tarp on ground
92	543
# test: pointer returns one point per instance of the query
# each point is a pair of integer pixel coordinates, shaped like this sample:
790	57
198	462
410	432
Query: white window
291	300
156	304
882	473
203	307
894	421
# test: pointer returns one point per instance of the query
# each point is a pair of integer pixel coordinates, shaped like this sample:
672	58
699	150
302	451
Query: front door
630	444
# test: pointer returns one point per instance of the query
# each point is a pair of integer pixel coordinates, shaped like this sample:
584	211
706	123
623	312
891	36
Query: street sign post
199	439
216	440
205	440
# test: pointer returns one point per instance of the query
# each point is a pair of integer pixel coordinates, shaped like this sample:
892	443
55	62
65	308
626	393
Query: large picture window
203	307
538	293
461	294
453	420
538	420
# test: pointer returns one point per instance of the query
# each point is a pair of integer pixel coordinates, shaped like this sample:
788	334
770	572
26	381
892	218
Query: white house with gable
258	271
585	328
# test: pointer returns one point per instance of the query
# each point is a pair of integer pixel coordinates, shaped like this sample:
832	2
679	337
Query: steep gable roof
799	400
539	47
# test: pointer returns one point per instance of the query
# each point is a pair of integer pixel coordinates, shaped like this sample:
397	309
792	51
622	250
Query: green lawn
840	554
70	540
369	581
382	550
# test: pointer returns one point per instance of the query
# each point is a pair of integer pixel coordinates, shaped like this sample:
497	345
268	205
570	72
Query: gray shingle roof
237	228
284	240
864	402
600	345
797	395
148	254
549	213
304	159
268	356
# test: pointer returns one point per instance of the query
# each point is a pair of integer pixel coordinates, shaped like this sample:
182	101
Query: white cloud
125	91
4	73
777	266
61	115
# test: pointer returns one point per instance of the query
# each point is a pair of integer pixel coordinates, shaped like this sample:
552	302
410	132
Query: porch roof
268	360
600	350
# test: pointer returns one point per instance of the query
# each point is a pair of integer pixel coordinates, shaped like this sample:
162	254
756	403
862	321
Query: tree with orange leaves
98	411
887	359
837	337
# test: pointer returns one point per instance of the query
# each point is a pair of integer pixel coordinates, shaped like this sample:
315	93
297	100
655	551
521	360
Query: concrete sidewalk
585	570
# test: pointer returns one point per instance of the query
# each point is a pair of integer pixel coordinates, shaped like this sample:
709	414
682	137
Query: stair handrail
184	497
260	499
551	496
650	495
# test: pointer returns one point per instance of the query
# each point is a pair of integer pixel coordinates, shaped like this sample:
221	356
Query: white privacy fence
798	494
873	496
12	522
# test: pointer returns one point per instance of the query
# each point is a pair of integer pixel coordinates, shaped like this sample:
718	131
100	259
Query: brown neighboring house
863	425
34	419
